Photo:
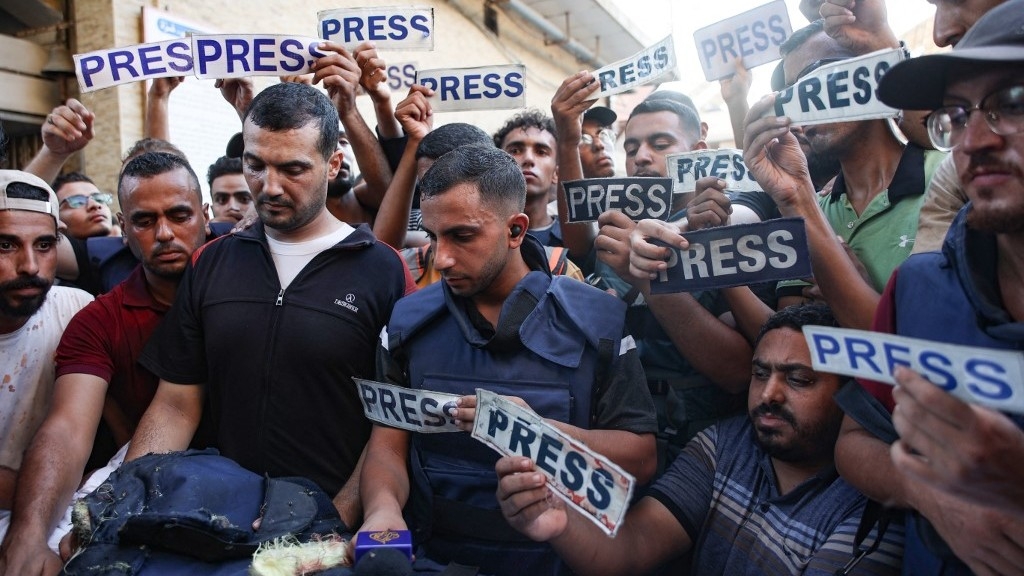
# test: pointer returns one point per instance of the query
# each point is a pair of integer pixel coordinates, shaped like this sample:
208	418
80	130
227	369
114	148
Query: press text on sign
388	27
638	198
107	68
645	66
724	164
407	408
983	376
587	481
736	256
241	55
846	91
754	35
481	88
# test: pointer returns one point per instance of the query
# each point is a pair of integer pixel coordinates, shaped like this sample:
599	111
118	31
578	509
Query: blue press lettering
180	52
122	61
293	59
207	50
547	453
599	492
149	56
521	439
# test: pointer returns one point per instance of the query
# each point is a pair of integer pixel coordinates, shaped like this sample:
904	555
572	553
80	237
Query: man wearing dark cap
957	466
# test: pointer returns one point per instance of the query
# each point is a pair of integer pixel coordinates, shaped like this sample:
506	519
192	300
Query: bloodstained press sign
586	480
724	164
736	256
637	198
845	91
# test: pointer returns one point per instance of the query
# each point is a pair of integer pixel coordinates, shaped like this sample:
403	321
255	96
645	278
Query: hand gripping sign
983	376
637	198
842	92
645	66
482	88
587	481
737	255
388	27
406	408
754	35
725	164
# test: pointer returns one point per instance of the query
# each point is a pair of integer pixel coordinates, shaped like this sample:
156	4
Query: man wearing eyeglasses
597	144
959	467
83	208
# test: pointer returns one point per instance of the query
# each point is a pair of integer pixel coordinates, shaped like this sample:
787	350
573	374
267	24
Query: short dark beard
28	307
340	186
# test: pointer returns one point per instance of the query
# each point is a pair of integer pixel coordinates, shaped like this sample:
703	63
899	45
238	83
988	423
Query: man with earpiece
498	320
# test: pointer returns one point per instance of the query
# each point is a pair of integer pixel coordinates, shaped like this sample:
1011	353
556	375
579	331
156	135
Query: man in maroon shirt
97	373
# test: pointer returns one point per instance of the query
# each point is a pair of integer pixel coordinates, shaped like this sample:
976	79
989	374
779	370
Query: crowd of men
449	264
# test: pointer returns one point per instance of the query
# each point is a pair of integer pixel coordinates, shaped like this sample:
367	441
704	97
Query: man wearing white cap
33	314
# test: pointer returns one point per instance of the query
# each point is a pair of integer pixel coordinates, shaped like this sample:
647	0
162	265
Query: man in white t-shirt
33	315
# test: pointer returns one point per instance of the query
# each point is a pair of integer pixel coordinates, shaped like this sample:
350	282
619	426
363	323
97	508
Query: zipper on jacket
280	298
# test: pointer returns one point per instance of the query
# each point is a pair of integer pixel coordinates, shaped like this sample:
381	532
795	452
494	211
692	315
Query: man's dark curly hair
531	118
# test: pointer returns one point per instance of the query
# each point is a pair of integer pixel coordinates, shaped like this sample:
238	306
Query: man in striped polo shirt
756	494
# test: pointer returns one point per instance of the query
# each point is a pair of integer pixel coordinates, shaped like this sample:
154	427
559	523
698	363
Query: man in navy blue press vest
499	321
958	467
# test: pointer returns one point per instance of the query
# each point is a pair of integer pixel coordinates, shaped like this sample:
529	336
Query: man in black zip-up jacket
271	324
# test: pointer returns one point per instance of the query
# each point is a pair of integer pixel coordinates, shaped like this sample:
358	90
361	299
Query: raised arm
569	103
693	330
861	26
67	129
374	82
773	156
340	75
157	101
735	90
416	117
238	92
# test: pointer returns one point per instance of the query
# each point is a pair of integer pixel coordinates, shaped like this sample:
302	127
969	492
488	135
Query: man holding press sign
957	465
498	320
736	493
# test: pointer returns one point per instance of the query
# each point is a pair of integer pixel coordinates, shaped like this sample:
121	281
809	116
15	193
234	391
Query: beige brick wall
461	41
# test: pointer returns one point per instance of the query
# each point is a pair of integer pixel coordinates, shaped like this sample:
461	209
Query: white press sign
388	27
754	35
983	376
842	92
645	66
482	88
